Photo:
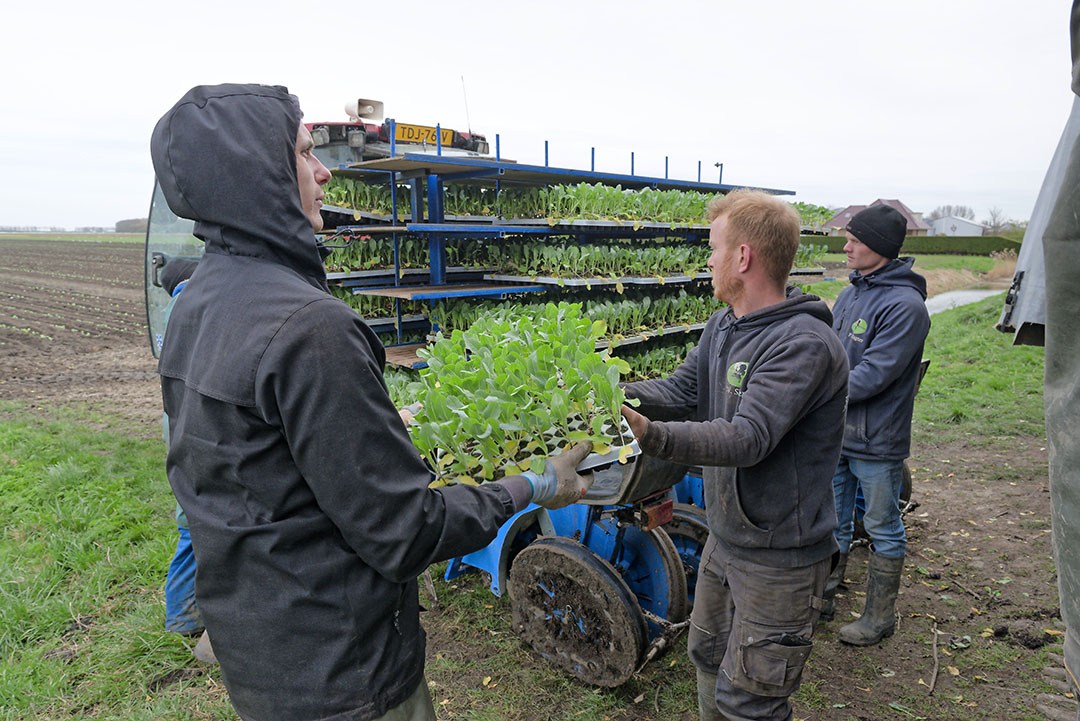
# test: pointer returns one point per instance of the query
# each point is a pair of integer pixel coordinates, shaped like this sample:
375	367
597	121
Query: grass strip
87	537
980	387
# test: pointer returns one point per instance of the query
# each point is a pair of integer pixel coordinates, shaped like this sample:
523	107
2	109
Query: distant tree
133	225
996	222
944	211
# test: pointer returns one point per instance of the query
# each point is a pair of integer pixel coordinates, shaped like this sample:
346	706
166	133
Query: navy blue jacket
882	322
759	403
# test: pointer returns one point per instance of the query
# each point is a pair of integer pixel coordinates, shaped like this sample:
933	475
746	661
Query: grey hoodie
309	507
882	322
759	403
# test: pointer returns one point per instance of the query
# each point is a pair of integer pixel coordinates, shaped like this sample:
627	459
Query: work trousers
881	482
417	707
752	628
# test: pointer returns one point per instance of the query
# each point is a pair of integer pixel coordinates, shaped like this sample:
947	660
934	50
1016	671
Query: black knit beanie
881	227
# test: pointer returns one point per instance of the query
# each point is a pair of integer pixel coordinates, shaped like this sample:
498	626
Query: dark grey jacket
759	403
882	322
309	507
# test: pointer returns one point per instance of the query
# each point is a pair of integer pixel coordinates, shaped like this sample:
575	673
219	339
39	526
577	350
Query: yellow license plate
421	134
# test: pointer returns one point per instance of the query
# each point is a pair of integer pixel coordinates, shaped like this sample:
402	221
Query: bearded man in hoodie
882	321
759	404
309	507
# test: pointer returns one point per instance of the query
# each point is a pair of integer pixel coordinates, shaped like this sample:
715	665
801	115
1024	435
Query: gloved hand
561	484
409	411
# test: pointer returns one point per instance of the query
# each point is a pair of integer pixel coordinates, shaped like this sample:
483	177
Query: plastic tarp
1024	313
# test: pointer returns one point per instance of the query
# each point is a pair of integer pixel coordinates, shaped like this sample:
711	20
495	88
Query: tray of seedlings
515	388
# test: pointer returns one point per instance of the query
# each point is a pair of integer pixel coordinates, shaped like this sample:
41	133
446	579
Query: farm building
915	224
952	225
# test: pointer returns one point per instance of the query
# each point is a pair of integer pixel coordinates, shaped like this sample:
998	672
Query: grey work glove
408	412
561	484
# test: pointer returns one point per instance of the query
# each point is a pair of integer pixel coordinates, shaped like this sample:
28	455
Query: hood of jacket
897	272
795	303
225	157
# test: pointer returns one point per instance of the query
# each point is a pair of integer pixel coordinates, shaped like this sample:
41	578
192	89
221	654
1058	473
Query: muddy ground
979	567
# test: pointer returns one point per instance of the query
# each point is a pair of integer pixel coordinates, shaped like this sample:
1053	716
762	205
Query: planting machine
600	587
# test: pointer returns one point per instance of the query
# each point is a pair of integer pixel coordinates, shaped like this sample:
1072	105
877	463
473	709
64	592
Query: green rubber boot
878	619
835	581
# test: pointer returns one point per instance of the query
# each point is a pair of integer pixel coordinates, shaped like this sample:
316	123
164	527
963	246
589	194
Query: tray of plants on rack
556	261
580	204
633	316
513	389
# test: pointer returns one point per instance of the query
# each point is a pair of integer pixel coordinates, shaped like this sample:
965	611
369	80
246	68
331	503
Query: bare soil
73	333
73	328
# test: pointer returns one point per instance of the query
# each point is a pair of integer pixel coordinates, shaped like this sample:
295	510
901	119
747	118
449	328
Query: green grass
79	237
974	263
979	385
87	535
828	289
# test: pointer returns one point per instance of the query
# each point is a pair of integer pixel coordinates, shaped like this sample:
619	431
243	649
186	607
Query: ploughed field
73	325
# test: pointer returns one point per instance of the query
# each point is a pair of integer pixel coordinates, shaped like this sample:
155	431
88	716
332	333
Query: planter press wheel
574	610
652	568
688	529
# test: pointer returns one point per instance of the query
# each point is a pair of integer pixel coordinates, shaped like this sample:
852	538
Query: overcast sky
927	101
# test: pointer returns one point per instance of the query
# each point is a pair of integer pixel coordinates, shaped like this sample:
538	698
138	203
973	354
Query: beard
727	289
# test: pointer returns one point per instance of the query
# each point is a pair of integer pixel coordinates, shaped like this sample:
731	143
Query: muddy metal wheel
688	529
575	610
650	565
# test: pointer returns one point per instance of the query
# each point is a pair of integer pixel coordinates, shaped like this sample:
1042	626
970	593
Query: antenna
466	96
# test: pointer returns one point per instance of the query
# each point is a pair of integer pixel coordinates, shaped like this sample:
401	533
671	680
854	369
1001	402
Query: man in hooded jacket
759	404
309	508
882	321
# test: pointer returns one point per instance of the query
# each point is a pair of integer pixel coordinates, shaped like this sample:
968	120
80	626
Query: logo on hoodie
859	326
736	375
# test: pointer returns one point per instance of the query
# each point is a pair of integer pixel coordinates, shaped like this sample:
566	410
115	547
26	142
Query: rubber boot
878	619
203	651
835	581
706	697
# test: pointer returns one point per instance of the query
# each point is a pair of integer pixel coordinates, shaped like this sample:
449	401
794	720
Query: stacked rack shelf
426	177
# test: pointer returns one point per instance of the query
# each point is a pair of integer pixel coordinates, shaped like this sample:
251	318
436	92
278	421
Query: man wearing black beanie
882	322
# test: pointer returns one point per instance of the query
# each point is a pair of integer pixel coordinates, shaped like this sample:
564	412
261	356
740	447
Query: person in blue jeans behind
882	322
181	611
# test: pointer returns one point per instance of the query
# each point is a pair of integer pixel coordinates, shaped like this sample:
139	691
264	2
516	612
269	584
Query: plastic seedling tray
595	460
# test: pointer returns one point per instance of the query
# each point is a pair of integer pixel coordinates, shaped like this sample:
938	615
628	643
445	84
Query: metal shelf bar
433	292
536	174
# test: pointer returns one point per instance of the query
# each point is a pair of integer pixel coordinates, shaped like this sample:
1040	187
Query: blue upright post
416	198
592	167
720	178
545	153
665	167
397	254
438	139
393	138
498	186
436	244
631	162
699	171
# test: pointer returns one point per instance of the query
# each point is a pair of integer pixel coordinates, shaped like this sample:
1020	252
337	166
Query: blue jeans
181	611
881	482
